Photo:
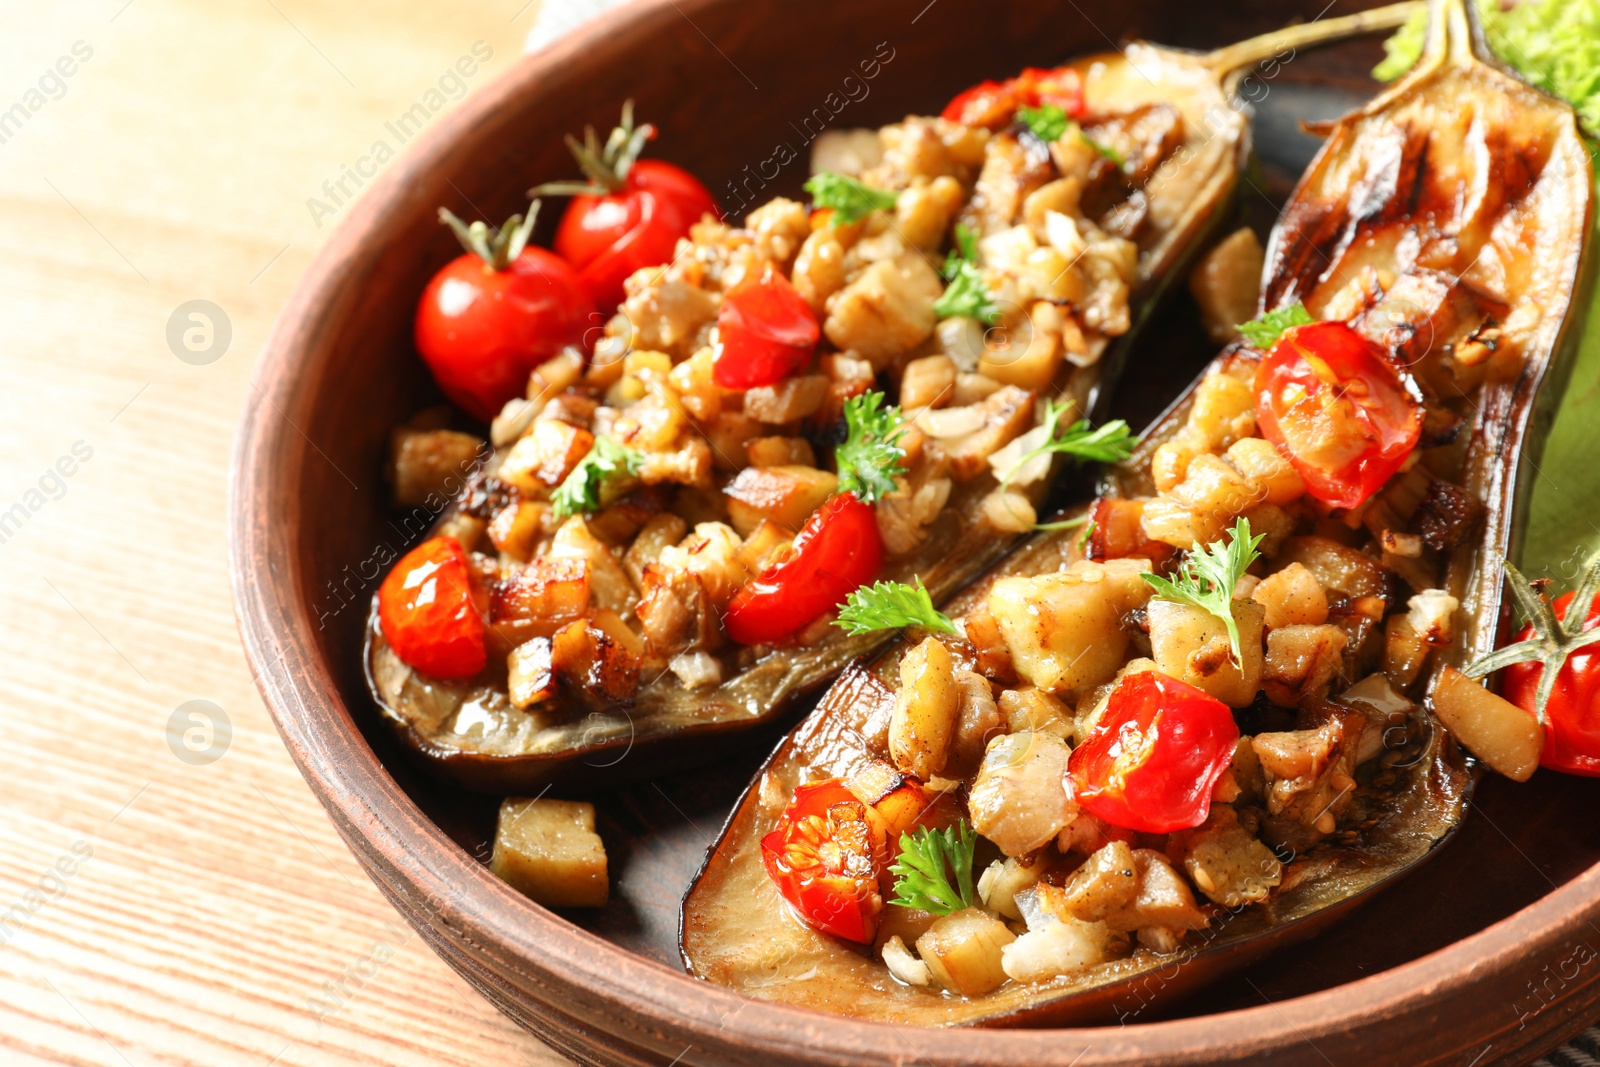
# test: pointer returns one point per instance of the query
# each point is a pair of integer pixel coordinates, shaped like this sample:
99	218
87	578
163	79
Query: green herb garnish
928	859
965	295
1263	332
1106	150
1555	44
1047	122
850	200
1111	443
869	459
579	492
891	606
1208	575
1553	639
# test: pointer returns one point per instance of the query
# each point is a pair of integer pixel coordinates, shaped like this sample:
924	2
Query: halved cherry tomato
765	332
492	315
825	858
1572	716
428	614
1154	757
837	552
1338	410
994	104
629	214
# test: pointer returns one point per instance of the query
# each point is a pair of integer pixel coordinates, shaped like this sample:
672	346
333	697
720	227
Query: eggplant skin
1459	171
470	734
737	931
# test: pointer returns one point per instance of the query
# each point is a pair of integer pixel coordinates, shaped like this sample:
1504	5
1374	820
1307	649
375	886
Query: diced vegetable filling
1130	747
780	414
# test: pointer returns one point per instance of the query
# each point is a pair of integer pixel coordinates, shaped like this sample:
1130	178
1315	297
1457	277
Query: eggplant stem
1248	53
1455	36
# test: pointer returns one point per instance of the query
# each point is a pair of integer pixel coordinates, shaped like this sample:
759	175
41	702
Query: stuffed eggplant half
792	407
1198	723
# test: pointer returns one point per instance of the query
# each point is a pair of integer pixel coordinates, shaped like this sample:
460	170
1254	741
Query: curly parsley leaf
1048	122
1263	332
869	459
1111	443
934	870
965	295
579	492
1208	575
892	606
850	200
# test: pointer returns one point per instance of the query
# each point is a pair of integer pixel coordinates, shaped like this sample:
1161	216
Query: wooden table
157	904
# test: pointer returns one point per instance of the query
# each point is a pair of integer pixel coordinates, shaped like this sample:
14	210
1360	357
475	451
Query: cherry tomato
765	332
427	612
1572	716
1337	409
1154	757
630	212
825	859
492	315
988	103
837	551
994	104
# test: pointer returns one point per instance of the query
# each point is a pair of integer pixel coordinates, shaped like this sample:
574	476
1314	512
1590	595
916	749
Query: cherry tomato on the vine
1154	757
428	613
765	332
1572	716
493	314
1337	409
837	551
629	214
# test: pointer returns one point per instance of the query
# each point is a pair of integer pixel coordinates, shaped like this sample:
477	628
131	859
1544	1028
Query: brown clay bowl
1487	955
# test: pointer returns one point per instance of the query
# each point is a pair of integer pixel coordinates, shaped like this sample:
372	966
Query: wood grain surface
157	909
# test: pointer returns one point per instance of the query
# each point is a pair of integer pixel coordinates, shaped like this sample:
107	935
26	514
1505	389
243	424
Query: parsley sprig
1207	577
850	200
965	295
869	459
1111	443
928	860
579	492
1048	122
1553	639
1263	332
891	606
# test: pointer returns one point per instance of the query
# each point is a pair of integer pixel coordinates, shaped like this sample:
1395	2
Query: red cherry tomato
607	237
426	610
481	330
1572	716
765	332
988	103
994	104
825	858
1061	86
1154	757
1337	409
838	551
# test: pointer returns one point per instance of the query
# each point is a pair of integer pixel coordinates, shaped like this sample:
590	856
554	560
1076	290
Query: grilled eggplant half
1130	854
1108	212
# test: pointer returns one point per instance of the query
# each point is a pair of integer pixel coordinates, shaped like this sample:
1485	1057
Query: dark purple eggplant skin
1382	191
